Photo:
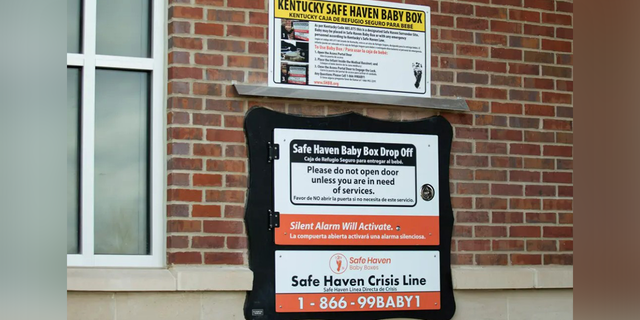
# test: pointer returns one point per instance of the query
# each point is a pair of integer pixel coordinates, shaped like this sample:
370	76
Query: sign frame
261	222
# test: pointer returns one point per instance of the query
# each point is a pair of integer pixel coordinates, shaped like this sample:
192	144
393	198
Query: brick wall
512	163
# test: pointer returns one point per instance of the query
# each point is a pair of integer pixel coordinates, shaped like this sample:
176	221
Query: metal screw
429	233
285	233
397	228
427	192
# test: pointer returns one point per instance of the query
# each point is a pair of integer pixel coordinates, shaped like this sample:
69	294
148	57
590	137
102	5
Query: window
115	112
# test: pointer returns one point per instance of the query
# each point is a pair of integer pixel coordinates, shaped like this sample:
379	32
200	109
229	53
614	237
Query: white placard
350	46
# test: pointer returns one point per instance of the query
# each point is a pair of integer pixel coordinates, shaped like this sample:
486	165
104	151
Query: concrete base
547	304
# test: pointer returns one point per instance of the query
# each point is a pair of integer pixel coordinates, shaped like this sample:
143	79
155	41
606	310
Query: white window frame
88	61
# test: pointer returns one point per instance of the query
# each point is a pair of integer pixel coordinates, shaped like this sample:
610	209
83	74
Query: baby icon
417	72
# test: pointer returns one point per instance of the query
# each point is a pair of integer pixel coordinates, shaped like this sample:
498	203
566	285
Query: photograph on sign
352	46
338	281
355	188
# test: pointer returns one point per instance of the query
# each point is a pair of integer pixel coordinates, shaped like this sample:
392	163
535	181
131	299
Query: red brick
558	204
461	259
524	15
540	4
564	6
564	33
441	20
505	134
524	176
539	110
177	210
237	242
537	163
223	227
461	203
526	259
235	151
472	161
456	63
459	118
558	259
472	216
456	35
178	179
209	59
185	13
508	54
207	150
236	181
462	231
536	30
474	245
246	62
564	164
522	95
524	232
557	177
208	242
207	180
558	232
524	42
258	48
506	162
441	76
216	3
538	136
566	245
206	211
541	245
491	203
540	191
472	188
491	12
565	191
184	195
226	165
520	68
461	147
510	81
476	78
492	259
177	27
560	98
506	27
456	91
442	47
525	149
556	45
185	73
224	196
508	245
518	122
506	217
507	108
564	85
184	133
209	29
558	151
177	242
456	8
539	57
541	217
553	18
229	258
207	89
561	125
184	258
491	93
491	175
491	147
225	45
491	39
224	75
460	174
225	135
248	4
184	164
184	103
245	31
184	226
471	23
506	190
225	15
524	204
517	3
539	83
233	211
491	66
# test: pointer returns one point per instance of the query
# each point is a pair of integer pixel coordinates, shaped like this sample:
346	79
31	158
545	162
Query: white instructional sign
349	45
357	280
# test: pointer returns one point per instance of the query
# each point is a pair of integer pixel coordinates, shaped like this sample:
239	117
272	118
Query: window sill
220	278
223	278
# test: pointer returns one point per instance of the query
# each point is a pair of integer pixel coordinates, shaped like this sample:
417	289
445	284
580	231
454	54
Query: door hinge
273	151
274	219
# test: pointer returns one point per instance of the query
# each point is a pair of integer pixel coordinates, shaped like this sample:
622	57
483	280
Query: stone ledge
221	278
483	278
227	278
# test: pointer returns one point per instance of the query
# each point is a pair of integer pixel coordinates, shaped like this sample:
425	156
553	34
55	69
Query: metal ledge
292	93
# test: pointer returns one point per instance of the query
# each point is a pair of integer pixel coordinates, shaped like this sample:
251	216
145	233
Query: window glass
121	206
123	28
73	160
74	8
